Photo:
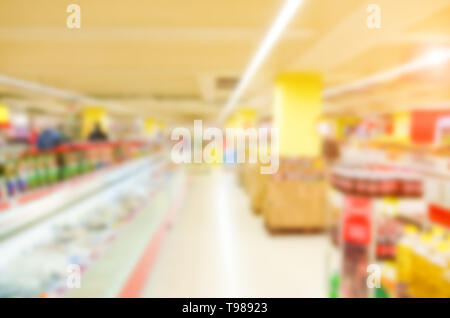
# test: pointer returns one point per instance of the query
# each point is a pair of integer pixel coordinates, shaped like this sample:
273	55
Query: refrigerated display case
91	225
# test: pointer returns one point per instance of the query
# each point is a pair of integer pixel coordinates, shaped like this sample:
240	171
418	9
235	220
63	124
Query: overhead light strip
39	88
435	57
284	17
58	93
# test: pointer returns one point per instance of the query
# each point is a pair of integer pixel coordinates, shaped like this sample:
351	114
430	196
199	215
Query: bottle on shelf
39	178
32	177
21	180
53	173
3	191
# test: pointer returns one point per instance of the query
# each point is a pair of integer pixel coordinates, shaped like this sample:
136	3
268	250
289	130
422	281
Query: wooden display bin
255	182
295	199
295	205
244	174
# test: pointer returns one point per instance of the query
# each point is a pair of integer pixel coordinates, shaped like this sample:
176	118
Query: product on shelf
423	264
33	169
376	181
357	237
405	248
374	194
409	188
389	232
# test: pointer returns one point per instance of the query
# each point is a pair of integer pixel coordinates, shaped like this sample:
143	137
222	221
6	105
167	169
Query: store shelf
412	210
123	270
125	242
31	207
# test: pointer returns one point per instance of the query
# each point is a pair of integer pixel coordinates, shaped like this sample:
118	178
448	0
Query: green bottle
3	191
31	179
52	169
39	176
334	286
67	167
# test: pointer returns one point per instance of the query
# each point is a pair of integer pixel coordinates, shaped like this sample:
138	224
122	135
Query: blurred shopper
97	134
48	139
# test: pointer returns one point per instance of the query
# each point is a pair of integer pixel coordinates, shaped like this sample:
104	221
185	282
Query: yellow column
298	105
4	116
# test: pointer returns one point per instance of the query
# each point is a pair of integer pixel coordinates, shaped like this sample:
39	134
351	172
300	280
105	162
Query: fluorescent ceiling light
39	88
436	57
59	93
432	58
284	16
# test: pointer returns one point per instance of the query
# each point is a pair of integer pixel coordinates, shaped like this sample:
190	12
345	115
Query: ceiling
177	60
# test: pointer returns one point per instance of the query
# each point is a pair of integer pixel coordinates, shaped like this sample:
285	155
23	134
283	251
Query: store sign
357	220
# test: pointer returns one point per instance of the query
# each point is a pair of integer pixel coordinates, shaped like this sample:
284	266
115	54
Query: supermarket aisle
219	248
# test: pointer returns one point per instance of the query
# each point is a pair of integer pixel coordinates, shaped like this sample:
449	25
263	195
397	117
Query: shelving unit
32	223
380	223
30	207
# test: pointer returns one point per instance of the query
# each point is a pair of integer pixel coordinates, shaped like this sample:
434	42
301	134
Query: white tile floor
219	248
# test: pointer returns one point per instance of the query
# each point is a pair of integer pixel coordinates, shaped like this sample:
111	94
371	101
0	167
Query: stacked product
423	263
375	180
374	198
34	169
